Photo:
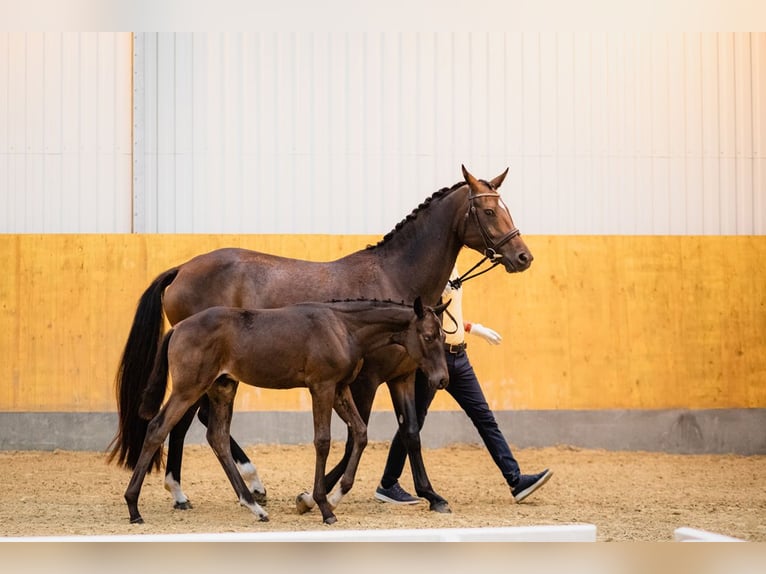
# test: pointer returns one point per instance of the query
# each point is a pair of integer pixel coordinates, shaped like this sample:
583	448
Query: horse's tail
151	399
134	370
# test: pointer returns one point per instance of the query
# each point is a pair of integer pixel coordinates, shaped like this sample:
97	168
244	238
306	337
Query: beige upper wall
345	133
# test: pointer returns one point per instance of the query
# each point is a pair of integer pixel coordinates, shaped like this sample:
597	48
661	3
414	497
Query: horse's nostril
524	257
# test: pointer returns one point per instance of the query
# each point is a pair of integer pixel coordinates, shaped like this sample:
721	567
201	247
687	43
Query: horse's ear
498	181
439	309
419	311
469	179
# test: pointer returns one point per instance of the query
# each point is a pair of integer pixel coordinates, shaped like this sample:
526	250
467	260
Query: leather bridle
490	246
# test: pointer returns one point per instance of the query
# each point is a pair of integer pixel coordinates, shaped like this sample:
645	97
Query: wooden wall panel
596	323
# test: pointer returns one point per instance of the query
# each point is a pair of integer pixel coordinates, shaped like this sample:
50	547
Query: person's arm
490	336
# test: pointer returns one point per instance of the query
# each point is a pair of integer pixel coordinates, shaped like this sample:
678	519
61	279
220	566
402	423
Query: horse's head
488	226
424	342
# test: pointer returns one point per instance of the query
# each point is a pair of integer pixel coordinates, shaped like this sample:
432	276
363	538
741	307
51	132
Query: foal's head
424	342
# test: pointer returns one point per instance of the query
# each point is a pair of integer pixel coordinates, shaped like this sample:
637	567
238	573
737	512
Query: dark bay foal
315	345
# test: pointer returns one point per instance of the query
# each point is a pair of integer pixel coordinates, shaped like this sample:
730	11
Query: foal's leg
221	396
159	428
322	398
406	407
363	391
346	409
175	457
246	467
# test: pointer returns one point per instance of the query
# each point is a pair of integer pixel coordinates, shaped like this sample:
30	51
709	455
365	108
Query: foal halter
490	246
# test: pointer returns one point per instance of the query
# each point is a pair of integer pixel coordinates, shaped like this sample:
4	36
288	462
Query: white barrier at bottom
563	533
686	534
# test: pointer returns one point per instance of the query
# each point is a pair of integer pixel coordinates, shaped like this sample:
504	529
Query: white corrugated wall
65	132
347	132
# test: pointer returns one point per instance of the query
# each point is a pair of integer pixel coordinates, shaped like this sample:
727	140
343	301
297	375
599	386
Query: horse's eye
428	338
490	212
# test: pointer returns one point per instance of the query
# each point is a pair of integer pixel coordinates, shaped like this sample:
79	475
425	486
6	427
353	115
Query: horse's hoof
183	505
260	497
441	506
263	519
137	520
301	504
330	519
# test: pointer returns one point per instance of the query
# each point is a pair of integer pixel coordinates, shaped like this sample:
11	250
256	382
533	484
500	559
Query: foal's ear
419	311
439	309
498	181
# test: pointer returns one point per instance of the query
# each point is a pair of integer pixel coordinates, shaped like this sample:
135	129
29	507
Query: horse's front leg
322	399
410	414
346	409
221	396
363	390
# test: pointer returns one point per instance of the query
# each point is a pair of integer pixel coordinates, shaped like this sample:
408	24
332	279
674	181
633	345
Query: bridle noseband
490	246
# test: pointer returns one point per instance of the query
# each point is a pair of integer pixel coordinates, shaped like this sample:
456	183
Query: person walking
465	389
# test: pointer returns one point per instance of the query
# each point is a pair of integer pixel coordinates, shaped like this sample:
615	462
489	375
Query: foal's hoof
183	505
137	520
441	506
303	503
260	497
330	519
263	519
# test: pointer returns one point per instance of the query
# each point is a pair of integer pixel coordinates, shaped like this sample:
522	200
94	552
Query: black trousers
465	389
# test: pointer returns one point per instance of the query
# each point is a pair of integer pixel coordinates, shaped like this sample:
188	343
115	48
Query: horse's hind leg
159	428
221	396
346	409
244	464
175	457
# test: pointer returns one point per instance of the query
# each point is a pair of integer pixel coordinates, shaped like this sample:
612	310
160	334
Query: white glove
490	336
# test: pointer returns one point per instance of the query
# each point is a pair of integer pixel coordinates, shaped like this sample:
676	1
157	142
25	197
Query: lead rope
458	282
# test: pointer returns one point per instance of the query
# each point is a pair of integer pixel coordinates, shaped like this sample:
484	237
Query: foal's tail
151	399
134	370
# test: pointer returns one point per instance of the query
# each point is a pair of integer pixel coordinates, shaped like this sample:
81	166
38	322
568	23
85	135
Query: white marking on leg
335	497
307	499
174	488
250	476
255	508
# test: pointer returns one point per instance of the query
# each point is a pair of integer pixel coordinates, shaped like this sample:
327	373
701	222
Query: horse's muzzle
519	261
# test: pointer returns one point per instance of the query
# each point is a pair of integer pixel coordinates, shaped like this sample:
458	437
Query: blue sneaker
395	494
528	483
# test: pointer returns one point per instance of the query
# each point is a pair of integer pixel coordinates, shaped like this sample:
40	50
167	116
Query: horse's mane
436	195
380	302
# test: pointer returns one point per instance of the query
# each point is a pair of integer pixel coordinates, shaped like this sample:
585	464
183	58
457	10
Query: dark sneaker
395	494
528	483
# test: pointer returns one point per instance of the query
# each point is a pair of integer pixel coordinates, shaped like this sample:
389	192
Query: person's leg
467	392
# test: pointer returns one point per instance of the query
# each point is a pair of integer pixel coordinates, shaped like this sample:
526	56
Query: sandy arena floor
628	496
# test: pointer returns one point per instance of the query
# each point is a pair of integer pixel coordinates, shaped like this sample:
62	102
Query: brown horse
318	346
416	258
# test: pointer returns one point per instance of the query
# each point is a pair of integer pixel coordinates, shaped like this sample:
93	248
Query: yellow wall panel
597	322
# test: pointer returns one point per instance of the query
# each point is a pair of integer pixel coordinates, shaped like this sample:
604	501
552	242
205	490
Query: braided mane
413	215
